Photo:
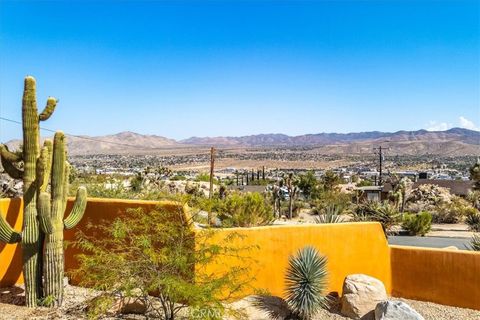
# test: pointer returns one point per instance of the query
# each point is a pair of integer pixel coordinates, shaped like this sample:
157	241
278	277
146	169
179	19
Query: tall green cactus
52	208
31	235
37	217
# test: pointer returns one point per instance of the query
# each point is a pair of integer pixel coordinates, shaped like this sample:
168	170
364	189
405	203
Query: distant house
370	193
459	188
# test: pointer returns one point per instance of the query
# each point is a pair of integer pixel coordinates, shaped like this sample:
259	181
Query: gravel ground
429	310
12	300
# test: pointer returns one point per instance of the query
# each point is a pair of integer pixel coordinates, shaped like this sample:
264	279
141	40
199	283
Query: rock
361	294
133	306
396	310
450	248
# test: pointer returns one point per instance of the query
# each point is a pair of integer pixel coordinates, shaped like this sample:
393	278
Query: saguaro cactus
31	235
52	209
43	224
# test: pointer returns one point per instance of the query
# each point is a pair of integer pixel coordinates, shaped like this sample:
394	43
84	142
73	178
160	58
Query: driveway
432	242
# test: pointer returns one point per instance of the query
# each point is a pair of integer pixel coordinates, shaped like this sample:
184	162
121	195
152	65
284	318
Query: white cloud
467	124
438	126
463	122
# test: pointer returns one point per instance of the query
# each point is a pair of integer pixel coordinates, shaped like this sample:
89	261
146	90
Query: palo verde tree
33	166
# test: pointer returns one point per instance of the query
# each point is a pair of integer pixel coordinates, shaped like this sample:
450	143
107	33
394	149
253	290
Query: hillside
456	141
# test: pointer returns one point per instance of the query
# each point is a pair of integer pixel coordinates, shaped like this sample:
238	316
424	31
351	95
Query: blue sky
182	69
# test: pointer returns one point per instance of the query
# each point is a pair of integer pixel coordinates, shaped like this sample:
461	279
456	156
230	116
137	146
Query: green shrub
385	213
417	224
178	177
244	210
473	221
453	211
157	252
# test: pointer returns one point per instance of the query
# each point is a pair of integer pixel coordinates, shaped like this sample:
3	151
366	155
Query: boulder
396	310
361	294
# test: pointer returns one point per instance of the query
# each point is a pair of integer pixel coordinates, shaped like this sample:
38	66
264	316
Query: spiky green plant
306	282
31	236
475	242
473	221
331	214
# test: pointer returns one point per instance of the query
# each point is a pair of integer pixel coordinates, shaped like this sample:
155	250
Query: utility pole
380	151
212	166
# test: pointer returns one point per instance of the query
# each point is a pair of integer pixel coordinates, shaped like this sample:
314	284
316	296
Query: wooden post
212	165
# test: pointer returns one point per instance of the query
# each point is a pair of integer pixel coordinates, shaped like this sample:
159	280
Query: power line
86	138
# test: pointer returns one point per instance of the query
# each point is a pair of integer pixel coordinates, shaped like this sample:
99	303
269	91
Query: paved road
433	242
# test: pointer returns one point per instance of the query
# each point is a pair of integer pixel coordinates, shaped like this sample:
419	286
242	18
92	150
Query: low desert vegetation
150	256
417	224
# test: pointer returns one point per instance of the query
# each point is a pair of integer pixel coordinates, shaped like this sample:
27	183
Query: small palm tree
306	282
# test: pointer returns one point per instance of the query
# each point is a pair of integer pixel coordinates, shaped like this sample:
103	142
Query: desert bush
417	224
337	199
157	252
332	214
244	210
475	243
452	212
473	221
306	282
385	213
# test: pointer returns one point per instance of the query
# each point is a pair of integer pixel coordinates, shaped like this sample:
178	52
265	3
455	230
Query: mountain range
456	141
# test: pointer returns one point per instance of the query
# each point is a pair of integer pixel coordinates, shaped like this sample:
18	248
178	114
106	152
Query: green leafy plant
158	253
385	213
473	221
306	283
244	210
417	224
331	214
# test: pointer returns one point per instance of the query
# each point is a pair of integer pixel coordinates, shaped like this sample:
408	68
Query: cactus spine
35	174
53	209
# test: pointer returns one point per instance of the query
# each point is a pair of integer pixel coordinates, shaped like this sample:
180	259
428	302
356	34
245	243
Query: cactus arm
12	171
7	234
65	185
78	209
44	167
10	156
49	108
43	208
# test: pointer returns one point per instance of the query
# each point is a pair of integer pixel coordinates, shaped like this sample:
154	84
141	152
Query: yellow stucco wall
350	248
448	277
442	276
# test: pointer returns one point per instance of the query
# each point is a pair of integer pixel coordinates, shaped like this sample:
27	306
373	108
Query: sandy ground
12	300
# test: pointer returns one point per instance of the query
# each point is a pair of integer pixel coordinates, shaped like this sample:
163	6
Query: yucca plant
306	282
473	221
475	243
331	214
